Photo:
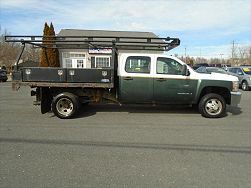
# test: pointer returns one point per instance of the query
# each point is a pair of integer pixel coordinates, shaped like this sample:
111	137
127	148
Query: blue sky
205	27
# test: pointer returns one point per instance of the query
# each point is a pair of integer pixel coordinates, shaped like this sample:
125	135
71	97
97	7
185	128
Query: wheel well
224	92
85	95
243	81
55	91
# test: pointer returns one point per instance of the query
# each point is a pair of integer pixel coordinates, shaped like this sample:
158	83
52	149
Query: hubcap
213	107
64	106
244	86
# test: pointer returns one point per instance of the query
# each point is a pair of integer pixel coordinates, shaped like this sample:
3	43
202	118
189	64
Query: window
239	71
101	62
80	63
233	70
73	55
74	60
168	66
66	55
68	63
138	64
247	70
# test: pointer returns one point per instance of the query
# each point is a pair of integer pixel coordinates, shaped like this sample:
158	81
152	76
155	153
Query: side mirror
185	70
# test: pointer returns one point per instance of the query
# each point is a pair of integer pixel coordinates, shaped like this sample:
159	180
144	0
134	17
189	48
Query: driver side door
170	85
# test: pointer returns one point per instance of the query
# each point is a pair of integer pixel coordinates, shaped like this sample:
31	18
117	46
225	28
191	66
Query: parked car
3	75
197	65
210	70
244	75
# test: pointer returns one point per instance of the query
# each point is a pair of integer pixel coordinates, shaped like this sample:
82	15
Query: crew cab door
170	85
135	80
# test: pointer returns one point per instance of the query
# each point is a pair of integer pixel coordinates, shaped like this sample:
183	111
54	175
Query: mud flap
46	99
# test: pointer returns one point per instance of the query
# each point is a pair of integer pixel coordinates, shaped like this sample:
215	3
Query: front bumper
235	98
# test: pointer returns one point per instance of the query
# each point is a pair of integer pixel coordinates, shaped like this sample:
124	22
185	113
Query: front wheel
65	105
212	106
244	86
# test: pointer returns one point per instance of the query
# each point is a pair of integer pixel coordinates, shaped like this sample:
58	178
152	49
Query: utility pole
221	58
185	54
233	52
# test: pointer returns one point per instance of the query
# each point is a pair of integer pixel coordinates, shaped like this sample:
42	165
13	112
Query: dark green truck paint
167	90
136	89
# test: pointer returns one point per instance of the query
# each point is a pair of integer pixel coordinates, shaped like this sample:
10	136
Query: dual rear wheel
65	105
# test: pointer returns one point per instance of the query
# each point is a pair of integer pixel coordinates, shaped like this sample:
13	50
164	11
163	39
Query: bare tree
9	52
244	55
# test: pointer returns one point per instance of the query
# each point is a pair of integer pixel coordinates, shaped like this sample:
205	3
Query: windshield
219	70
247	70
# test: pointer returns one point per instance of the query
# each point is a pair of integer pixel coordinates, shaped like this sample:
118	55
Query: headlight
235	86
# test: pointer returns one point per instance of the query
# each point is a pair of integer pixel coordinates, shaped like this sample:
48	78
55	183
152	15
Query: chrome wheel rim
244	86
64	106
213	107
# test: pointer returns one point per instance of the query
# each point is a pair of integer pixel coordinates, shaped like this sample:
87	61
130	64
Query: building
96	55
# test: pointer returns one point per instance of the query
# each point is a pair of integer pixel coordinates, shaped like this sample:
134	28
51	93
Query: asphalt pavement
122	146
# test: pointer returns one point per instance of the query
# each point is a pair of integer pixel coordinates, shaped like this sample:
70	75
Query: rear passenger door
135	80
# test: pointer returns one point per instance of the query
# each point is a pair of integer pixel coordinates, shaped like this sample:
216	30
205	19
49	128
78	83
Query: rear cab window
138	64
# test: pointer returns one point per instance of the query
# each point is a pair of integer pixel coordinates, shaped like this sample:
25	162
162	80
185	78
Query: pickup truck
133	78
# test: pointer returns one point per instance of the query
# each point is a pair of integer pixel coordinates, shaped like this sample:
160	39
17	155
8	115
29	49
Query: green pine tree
43	61
53	54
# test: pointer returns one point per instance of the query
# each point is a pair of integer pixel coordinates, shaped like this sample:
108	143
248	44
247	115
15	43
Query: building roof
123	40
78	32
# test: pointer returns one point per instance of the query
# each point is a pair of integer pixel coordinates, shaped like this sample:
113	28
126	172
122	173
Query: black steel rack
87	42
128	43
94	42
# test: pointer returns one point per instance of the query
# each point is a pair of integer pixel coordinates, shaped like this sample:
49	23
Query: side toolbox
89	75
38	74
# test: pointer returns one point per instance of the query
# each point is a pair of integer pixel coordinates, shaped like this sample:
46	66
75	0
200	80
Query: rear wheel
212	106
65	105
244	85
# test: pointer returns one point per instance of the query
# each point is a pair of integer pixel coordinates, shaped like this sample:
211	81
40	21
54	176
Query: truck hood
217	76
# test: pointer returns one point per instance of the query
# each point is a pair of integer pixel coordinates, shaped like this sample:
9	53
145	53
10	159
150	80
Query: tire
212	106
65	105
244	85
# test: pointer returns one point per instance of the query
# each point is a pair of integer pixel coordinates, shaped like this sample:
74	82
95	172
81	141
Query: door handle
128	78
161	79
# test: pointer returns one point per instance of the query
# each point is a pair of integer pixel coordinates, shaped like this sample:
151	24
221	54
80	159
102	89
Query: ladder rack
98	42
93	42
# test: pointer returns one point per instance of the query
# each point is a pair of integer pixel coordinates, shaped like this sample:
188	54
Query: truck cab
162	79
155	78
